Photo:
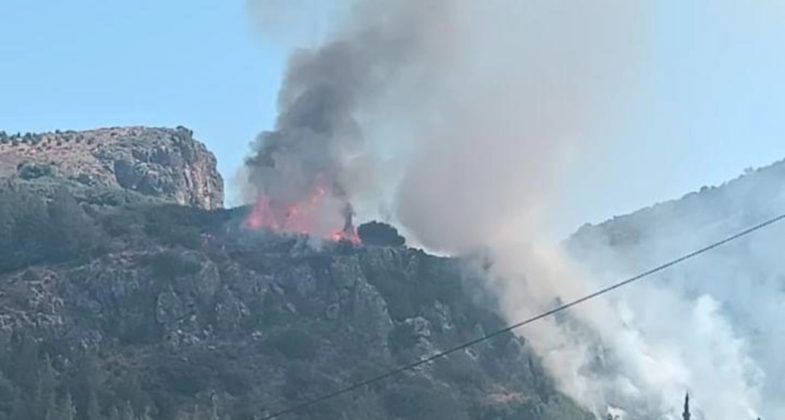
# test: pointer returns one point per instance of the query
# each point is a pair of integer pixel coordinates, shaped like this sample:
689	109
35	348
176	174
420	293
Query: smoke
707	325
511	115
462	121
318	146
721	307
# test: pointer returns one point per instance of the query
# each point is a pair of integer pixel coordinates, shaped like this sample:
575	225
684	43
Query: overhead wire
511	327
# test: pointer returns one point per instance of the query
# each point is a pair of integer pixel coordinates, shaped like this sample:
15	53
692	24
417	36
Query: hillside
166	164
117	302
748	199
714	313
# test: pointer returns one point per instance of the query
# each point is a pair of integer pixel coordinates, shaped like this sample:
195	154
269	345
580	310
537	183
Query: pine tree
92	409
214	407
26	227
72	233
68	407
127	413
146	414
45	404
25	361
114	414
87	383
65	410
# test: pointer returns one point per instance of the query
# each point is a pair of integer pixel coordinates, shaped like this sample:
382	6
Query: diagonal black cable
511	327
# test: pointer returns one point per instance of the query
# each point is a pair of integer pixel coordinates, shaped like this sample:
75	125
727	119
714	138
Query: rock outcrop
166	164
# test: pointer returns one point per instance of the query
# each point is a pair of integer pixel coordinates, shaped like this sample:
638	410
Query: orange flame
305	217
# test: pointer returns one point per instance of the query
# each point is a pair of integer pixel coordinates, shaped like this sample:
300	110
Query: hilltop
161	163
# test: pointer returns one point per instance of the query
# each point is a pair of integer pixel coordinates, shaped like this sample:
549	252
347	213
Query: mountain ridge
119	303
163	163
123	302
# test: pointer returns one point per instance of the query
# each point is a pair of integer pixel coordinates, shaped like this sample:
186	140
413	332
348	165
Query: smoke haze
461	121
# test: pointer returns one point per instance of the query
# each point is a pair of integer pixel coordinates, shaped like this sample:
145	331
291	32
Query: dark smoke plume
318	142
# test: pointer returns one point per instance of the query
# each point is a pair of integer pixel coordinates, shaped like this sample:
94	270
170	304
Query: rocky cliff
167	164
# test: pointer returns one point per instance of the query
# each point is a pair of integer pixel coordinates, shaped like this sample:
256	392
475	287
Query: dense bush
33	229
435	280
170	264
295	344
180	225
32	170
418	399
381	234
402	337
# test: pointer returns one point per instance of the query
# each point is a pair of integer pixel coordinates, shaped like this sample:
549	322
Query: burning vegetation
298	173
304	174
315	215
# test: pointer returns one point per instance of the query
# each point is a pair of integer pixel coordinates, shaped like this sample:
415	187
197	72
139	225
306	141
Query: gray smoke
318	141
718	327
463	121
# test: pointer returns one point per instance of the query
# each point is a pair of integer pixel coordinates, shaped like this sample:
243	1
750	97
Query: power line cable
512	327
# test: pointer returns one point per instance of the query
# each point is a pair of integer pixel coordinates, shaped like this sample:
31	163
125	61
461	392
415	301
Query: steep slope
715	314
183	313
139	309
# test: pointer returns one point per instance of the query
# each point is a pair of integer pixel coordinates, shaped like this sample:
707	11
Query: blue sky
710	100
87	63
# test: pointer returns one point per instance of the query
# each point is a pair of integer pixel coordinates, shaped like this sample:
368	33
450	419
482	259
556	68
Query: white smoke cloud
719	309
466	120
510	113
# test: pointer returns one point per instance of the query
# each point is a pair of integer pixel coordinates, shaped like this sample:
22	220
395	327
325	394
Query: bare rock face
163	163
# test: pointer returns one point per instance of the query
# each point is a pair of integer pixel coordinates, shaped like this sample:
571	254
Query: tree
86	385
92	409
23	227
73	233
146	414
6	229
64	410
127	412
44	400
114	414
686	414
381	234
9	397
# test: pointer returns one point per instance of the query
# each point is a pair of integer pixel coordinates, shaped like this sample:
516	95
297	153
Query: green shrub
185	378
180	225
402	337
33	230
460	369
418	399
172	263
295	344
380	234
